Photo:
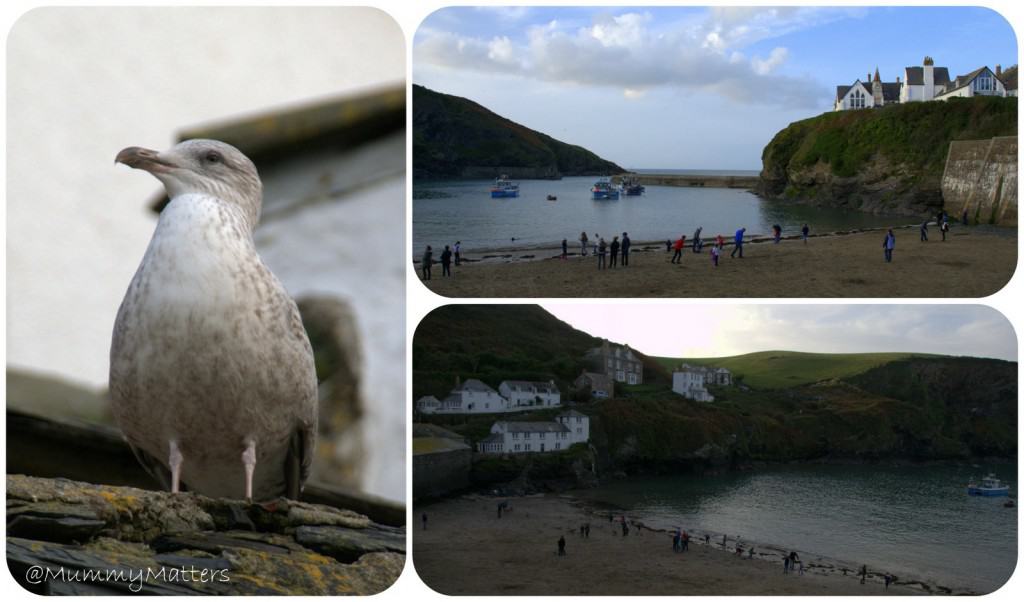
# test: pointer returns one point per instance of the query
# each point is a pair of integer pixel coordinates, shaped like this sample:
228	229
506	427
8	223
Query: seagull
211	370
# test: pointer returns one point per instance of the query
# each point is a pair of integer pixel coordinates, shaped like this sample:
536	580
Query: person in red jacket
678	248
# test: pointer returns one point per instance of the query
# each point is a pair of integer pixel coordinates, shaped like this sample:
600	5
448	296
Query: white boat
990	487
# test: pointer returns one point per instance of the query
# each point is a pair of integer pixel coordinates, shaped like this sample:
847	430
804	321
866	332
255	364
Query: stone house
473	397
599	385
690	383
618	362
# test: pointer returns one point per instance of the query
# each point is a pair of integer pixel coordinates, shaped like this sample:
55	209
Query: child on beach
565	248
805	231
714	256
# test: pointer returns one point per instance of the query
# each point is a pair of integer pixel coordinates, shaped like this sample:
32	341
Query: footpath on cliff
973	261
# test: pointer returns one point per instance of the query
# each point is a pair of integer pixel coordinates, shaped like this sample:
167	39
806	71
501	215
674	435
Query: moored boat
504	188
990	486
630	186
603	190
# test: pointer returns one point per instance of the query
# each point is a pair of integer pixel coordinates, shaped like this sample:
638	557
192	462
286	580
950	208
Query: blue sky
687	87
694	330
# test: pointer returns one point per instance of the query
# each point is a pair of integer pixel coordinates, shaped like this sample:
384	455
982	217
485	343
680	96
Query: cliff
887	160
981	178
455	137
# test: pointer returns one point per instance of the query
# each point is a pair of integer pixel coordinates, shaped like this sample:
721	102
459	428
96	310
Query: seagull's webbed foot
249	460
174	460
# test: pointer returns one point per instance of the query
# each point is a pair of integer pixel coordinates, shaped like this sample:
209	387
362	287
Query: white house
428	404
521	393
473	397
980	82
925	82
872	92
689	382
508	437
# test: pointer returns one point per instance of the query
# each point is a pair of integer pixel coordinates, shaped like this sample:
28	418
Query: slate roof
891	91
493	438
572	414
472	384
534	427
915	76
525	385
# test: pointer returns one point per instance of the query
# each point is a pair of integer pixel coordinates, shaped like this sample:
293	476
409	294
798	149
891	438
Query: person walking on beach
676	538
600	252
739	243
458	253
446	262
785	564
777	230
586	531
677	257
725	541
428	260
424	521
750	553
707	539
561	545
714	255
565	248
804	232
668	245
720	241
614	252
625	249
924	231
863	573
888	245
686	541
944	228
963	218
583	244
697	243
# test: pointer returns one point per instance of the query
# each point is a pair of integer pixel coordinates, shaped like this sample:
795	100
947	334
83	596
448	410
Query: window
618	363
515	435
527	447
609	362
620	376
983	83
558	446
517	447
857	99
632	378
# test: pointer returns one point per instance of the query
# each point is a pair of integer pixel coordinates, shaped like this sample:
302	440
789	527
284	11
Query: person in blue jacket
739	243
888	245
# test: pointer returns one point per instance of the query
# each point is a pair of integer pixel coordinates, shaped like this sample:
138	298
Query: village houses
508	437
476	397
691	381
925	83
598	386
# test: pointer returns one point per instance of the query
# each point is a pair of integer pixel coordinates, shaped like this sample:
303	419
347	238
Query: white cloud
632	52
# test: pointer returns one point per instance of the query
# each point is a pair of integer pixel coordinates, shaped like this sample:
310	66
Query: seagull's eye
213	157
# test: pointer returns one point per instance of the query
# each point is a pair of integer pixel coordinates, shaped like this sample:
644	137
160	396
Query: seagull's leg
174	460
249	460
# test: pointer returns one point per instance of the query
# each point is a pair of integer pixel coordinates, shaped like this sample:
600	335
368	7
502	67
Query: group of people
449	253
602	250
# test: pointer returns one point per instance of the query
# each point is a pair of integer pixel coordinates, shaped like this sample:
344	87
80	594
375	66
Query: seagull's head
202	166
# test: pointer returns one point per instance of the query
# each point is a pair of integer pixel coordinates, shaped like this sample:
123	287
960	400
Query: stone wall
437	473
981	176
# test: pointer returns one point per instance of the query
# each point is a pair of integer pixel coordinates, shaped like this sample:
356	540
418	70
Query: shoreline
464	534
973	262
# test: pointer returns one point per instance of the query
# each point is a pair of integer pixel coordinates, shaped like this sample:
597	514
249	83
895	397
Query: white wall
84	83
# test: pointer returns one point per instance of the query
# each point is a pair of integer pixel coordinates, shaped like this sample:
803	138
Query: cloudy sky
687	87
679	330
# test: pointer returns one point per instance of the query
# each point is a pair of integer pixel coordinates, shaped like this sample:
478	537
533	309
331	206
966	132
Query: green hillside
780	369
455	137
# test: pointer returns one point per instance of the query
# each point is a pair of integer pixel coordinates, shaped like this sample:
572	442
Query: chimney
999	70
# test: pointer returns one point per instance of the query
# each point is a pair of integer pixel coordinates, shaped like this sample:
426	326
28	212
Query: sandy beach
972	262
467	550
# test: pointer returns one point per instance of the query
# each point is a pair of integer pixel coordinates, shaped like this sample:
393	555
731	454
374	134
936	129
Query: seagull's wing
299	461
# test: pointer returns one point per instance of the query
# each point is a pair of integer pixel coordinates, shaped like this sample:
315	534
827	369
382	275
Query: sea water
444	212
916	522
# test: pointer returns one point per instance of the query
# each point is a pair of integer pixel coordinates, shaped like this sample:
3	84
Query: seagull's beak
143	158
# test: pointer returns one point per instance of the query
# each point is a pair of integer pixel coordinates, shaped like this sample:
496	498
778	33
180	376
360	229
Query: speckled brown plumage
208	350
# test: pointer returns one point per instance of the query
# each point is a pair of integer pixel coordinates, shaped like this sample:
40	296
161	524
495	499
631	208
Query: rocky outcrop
981	178
69	537
886	160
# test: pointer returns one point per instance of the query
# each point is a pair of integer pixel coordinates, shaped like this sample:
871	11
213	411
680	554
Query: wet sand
467	550
972	262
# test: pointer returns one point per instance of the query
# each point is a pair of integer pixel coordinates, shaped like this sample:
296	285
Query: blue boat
503	188
990	487
604	191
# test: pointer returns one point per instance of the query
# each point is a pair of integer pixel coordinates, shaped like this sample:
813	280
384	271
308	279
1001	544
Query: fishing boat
990	487
503	188
603	190
552	197
630	186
